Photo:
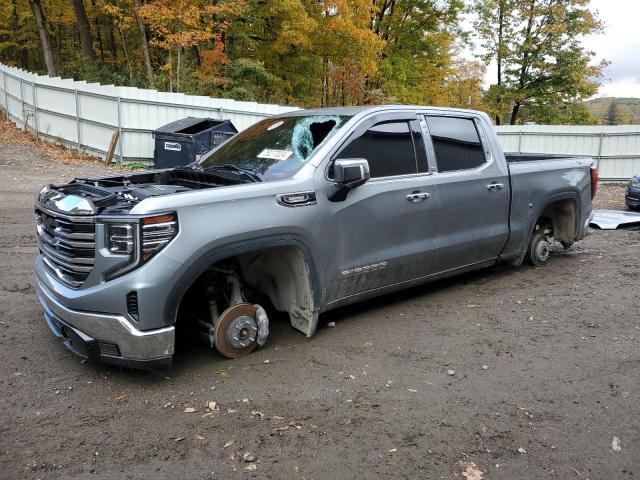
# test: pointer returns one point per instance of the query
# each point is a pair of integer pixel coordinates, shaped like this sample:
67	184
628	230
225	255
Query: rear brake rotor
236	331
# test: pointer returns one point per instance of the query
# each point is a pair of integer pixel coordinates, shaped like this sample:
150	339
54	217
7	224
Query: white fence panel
85	116
615	149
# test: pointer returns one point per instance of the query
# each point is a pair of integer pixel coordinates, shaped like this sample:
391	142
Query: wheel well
280	273
561	216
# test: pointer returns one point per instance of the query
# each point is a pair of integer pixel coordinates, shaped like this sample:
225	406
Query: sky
619	44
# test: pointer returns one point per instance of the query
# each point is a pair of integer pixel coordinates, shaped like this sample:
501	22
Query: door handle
416	197
494	187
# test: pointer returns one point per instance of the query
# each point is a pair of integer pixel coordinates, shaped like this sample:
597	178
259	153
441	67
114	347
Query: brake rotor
236	331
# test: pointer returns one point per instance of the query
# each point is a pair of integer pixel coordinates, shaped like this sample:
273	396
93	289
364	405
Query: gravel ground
516	372
610	196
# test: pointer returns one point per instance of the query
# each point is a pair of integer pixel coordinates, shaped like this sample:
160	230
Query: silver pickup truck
300	213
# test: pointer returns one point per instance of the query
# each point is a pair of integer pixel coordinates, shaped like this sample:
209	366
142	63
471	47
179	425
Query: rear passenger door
472	190
382	233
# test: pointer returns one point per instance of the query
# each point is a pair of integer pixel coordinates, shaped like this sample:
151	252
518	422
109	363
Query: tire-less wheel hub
543	250
242	331
236	331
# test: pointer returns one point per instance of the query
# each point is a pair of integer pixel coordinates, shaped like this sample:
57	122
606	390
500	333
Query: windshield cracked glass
275	148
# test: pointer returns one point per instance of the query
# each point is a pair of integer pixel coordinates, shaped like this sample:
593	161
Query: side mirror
350	173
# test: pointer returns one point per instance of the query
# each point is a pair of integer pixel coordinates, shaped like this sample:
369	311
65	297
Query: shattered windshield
275	148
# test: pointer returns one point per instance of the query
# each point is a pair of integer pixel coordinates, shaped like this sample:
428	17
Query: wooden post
112	147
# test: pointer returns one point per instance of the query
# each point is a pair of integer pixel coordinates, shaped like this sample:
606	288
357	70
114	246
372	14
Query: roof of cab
350	111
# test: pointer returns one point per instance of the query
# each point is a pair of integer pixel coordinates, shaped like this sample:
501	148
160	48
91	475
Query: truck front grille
67	244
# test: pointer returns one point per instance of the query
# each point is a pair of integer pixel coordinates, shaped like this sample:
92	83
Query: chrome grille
67	244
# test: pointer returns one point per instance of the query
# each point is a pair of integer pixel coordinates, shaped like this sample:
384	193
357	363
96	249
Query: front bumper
107	338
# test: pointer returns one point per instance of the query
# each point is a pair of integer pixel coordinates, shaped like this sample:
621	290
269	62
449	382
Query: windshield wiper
228	167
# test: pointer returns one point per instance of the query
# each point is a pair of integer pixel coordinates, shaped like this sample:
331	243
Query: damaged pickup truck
300	213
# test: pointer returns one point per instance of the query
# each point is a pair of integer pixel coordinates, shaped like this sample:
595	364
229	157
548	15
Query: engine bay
117	194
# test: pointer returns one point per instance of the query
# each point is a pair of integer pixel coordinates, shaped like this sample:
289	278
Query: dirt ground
546	362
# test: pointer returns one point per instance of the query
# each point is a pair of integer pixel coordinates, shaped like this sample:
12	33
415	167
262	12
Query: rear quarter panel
536	184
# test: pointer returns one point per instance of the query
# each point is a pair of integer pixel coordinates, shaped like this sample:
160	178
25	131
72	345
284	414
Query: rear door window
456	143
388	147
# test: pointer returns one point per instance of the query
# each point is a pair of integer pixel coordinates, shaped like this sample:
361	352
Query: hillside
628	109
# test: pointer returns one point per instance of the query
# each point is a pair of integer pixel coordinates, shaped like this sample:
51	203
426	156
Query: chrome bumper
133	346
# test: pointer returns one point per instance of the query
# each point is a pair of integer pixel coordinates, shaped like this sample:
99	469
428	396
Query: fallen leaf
393	450
199	437
213	406
252	467
121	397
257	413
231	410
412	390
189	410
276	417
229	443
471	471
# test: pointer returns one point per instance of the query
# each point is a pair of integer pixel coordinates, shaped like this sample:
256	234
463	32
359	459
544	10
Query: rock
615	444
248	457
522	451
485	367
267	361
229	443
451	373
331	325
189	410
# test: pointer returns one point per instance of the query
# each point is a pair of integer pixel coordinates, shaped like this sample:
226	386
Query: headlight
138	239
121	237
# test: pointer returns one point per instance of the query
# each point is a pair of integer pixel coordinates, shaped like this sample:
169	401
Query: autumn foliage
307	52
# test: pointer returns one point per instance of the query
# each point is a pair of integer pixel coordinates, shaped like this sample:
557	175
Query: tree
144	44
612	117
417	56
41	22
464	85
538	46
84	31
189	23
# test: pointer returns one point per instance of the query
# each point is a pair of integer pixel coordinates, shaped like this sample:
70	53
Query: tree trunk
41	22
514	113
499	57
178	69
126	55
112	45
84	29
143	43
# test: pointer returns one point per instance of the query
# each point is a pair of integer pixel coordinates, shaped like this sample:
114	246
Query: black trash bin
185	141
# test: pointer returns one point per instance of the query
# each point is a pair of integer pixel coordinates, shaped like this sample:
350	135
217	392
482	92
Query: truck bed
537	157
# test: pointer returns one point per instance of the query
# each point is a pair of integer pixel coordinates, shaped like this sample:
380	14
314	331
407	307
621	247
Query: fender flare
200	265
567	195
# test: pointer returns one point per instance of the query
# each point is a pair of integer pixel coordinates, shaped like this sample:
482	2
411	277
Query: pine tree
612	117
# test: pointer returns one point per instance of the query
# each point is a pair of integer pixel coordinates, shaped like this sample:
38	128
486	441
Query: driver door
382	233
